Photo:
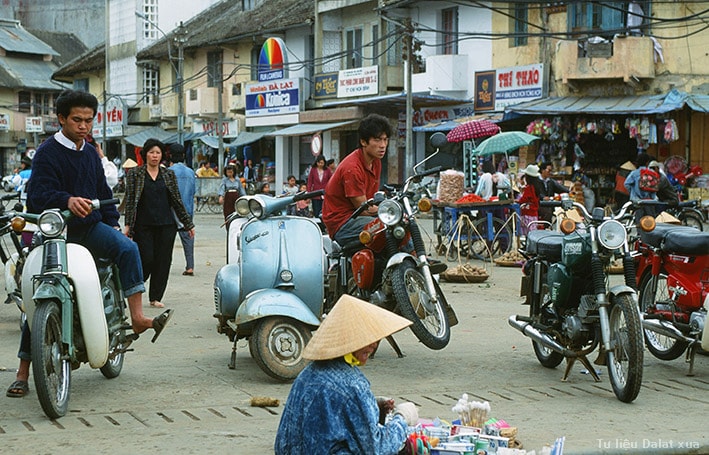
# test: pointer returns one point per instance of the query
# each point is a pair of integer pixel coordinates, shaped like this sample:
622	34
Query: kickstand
232	360
395	346
584	360
691	352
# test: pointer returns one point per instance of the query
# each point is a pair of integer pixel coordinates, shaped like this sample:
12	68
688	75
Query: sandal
188	273
160	322
18	389
157	304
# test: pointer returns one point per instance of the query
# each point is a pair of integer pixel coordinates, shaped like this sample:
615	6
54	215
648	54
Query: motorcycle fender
87	287
227	290
274	302
10	267
621	289
398	258
33	267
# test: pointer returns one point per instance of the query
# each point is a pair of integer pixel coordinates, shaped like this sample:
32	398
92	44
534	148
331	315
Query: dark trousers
317	207
155	245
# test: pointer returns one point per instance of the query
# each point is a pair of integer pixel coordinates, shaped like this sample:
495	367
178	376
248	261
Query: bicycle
208	204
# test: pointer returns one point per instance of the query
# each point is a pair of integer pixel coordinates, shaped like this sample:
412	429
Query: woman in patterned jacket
152	212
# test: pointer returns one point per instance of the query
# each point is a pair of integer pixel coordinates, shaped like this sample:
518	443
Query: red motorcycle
672	271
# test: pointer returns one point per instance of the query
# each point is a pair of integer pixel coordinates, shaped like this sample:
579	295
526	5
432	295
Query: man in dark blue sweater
67	174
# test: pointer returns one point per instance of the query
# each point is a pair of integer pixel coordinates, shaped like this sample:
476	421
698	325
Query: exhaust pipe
666	329
528	330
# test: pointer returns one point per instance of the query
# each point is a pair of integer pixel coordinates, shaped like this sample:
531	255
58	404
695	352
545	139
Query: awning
303	129
699	103
139	138
247	137
398	100
186	136
448	125
616	105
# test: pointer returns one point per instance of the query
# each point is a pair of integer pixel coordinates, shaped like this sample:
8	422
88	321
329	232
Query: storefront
589	138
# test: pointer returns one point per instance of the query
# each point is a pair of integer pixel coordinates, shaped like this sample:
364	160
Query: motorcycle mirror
438	140
379	196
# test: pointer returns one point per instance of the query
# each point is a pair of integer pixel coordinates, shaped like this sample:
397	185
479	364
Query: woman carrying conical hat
330	408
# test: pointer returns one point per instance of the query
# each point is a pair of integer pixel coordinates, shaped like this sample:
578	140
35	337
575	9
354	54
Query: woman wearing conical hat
330	408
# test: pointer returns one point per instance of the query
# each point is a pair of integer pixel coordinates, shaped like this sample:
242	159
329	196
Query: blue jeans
351	229
188	246
103	241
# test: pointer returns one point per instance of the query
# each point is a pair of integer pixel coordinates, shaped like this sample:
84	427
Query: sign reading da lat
272	60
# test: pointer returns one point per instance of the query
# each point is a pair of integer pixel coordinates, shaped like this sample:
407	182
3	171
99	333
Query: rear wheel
625	359
277	345
547	357
116	355
50	364
653	292
430	322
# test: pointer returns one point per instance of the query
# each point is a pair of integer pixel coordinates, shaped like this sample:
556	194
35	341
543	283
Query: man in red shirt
355	180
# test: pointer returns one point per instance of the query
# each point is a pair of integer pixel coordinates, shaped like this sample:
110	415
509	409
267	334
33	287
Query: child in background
303	208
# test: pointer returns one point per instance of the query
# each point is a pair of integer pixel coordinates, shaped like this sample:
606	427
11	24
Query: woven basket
462	274
502	263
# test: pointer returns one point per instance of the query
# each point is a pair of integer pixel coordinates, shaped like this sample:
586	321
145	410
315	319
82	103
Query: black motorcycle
572	309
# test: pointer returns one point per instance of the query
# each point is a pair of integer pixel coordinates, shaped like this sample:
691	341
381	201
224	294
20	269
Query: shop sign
325	86
4	122
51	124
358	82
273	98
518	84
485	90
442	114
33	125
230	128
115	119
272	60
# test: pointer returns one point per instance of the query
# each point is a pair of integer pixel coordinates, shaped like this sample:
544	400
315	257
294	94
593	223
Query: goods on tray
465	273
471	413
469	198
450	186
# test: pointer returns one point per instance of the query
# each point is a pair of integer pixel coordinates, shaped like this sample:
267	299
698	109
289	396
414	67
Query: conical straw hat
129	163
627	166
665	217
351	325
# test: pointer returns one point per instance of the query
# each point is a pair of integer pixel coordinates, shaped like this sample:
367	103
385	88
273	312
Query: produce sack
450	186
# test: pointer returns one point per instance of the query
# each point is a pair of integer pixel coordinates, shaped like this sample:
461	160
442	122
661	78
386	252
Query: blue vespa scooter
271	290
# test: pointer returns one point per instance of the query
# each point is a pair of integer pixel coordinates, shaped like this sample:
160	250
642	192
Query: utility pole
409	43
180	39
220	116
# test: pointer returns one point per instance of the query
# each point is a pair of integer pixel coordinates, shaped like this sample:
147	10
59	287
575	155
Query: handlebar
307	195
10	197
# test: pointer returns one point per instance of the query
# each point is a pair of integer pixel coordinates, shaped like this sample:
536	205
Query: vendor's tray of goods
511	259
472	200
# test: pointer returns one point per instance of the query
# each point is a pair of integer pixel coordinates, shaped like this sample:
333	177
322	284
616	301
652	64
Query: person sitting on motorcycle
356	179
67	174
330	406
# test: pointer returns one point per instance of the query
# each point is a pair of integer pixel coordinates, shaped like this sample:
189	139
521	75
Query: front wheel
653	292
50	361
625	359
430	322
277	345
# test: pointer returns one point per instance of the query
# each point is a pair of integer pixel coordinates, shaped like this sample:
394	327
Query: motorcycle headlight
242	206
612	234
390	212
286	275
256	207
50	223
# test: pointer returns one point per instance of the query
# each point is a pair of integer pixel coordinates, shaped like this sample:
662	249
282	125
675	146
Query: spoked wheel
495	243
430	322
625	359
116	355
546	357
50	364
653	292
691	220
277	344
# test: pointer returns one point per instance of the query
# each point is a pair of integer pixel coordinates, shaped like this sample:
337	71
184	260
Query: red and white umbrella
472	129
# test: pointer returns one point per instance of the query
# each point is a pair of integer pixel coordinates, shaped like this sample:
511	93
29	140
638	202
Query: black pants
155	244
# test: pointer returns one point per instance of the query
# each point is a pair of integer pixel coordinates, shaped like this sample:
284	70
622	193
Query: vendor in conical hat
330	408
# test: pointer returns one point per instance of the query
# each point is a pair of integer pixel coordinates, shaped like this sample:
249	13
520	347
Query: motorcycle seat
687	241
351	247
671	238
545	243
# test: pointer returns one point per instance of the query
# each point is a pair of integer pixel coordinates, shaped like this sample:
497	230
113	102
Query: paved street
178	395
